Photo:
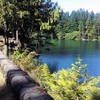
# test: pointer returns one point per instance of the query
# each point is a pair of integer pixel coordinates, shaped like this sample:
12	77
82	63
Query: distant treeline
79	24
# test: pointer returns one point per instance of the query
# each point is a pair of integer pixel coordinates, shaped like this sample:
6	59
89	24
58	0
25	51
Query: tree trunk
6	47
16	35
24	86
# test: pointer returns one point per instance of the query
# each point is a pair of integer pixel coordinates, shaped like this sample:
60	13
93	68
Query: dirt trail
6	93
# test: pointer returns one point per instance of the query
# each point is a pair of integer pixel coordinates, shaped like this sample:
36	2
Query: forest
28	21
35	23
28	25
79	25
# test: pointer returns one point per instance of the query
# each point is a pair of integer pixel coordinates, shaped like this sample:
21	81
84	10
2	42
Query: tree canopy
82	22
28	20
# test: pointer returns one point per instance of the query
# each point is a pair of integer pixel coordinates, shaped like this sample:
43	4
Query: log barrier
23	85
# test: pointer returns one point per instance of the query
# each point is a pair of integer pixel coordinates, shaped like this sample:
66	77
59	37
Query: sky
69	5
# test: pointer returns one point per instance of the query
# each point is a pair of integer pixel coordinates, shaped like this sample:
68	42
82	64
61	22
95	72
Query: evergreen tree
80	24
29	20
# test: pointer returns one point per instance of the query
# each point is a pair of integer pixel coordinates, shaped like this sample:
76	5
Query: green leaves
87	24
71	84
27	18
23	13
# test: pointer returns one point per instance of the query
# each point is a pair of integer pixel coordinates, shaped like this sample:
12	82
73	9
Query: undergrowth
71	84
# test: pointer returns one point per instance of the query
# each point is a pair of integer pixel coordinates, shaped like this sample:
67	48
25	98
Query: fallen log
24	86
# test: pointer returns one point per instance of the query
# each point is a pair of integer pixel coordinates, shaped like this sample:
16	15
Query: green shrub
71	84
25	60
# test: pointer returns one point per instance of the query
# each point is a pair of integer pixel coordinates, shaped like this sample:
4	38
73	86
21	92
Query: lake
63	53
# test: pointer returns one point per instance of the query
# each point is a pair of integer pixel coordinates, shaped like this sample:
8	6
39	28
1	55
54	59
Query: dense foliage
33	23
25	60
28	21
79	24
71	84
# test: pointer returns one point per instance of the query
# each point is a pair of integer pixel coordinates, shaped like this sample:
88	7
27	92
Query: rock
24	86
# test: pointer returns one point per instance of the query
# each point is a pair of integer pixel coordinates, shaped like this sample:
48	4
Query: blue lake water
63	53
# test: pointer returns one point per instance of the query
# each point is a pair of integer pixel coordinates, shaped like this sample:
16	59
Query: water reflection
65	52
